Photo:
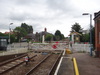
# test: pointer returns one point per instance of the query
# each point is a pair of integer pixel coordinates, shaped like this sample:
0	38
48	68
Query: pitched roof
96	15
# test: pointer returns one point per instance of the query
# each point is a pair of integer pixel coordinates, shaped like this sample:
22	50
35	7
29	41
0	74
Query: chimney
45	29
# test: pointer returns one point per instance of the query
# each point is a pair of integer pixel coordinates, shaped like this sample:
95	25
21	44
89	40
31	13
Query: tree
58	36
57	33
22	31
85	37
62	36
19	32
12	36
27	27
48	37
76	27
1	34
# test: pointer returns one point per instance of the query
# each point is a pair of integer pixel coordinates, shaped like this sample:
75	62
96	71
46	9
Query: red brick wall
97	36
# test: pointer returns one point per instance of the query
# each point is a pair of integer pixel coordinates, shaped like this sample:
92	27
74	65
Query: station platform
65	66
87	65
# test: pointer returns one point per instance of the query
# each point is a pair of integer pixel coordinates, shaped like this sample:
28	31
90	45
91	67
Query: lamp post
9	34
90	31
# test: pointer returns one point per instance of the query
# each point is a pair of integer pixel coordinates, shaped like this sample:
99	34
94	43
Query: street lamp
9	34
90	31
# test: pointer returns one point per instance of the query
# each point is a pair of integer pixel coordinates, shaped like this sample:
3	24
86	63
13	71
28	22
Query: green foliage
62	36
58	36
28	28
12	36
76	27
1	34
22	31
57	33
19	32
48	37
85	37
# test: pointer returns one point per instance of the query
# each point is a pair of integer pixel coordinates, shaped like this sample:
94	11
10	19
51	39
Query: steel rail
14	66
31	70
3	63
54	65
11	67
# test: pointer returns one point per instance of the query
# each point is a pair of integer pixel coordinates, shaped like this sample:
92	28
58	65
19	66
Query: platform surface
66	67
87	64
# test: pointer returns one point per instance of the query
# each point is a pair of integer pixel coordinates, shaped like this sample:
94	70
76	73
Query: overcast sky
51	14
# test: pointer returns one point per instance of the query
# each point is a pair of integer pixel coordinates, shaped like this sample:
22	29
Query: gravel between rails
22	69
46	66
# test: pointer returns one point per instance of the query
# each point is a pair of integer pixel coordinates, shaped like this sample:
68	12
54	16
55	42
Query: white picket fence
80	47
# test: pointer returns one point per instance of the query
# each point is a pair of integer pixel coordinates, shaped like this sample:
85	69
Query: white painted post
43	39
73	38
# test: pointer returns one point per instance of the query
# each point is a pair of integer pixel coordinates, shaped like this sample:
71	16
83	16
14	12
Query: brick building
97	32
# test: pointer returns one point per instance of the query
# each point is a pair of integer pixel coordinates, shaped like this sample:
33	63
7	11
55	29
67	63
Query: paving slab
66	67
87	65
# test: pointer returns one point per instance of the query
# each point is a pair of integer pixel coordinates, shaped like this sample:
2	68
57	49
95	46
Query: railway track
46	66
50	60
22	69
11	64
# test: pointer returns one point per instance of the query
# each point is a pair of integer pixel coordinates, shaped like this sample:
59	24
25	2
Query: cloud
52	14
62	5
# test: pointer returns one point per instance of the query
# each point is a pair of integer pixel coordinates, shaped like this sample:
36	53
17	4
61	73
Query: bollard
68	51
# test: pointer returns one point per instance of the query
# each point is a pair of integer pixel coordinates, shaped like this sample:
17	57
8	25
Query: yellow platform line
75	66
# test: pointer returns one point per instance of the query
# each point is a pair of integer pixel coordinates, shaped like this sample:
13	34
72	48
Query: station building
97	32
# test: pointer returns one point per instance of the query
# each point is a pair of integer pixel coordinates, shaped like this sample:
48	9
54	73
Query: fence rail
23	47
48	46
80	47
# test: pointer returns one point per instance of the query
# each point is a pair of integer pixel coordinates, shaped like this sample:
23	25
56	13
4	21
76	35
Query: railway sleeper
11	60
1	70
8	68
